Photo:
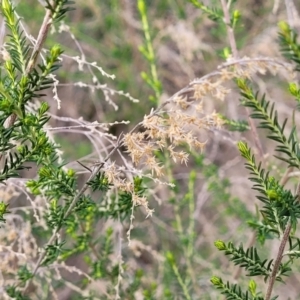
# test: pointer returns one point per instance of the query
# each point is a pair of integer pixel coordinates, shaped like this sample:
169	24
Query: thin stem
234	50
255	136
278	260
230	32
286	176
191	227
290	11
150	56
43	33
257	142
298	191
191	230
180	281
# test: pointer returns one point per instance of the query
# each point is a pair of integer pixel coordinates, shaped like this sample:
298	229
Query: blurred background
213	189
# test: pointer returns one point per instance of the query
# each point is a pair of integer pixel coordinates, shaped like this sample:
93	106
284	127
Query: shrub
132	212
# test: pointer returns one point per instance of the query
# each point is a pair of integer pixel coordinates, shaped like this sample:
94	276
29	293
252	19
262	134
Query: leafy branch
269	120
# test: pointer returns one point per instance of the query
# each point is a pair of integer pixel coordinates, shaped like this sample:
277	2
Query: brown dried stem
230	32
278	260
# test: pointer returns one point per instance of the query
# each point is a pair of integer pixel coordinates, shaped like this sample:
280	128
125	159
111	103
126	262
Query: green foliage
250	260
280	206
295	91
236	125
76	223
52	252
233	292
290	48
280	210
288	43
174	266
269	120
214	14
15	294
3	210
20	83
24	274
99	182
59	8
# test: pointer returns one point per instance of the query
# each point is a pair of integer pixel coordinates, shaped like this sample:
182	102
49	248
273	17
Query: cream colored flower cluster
178	120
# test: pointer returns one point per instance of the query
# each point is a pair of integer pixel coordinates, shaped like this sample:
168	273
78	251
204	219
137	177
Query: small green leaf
217	281
252	287
170	257
220	245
